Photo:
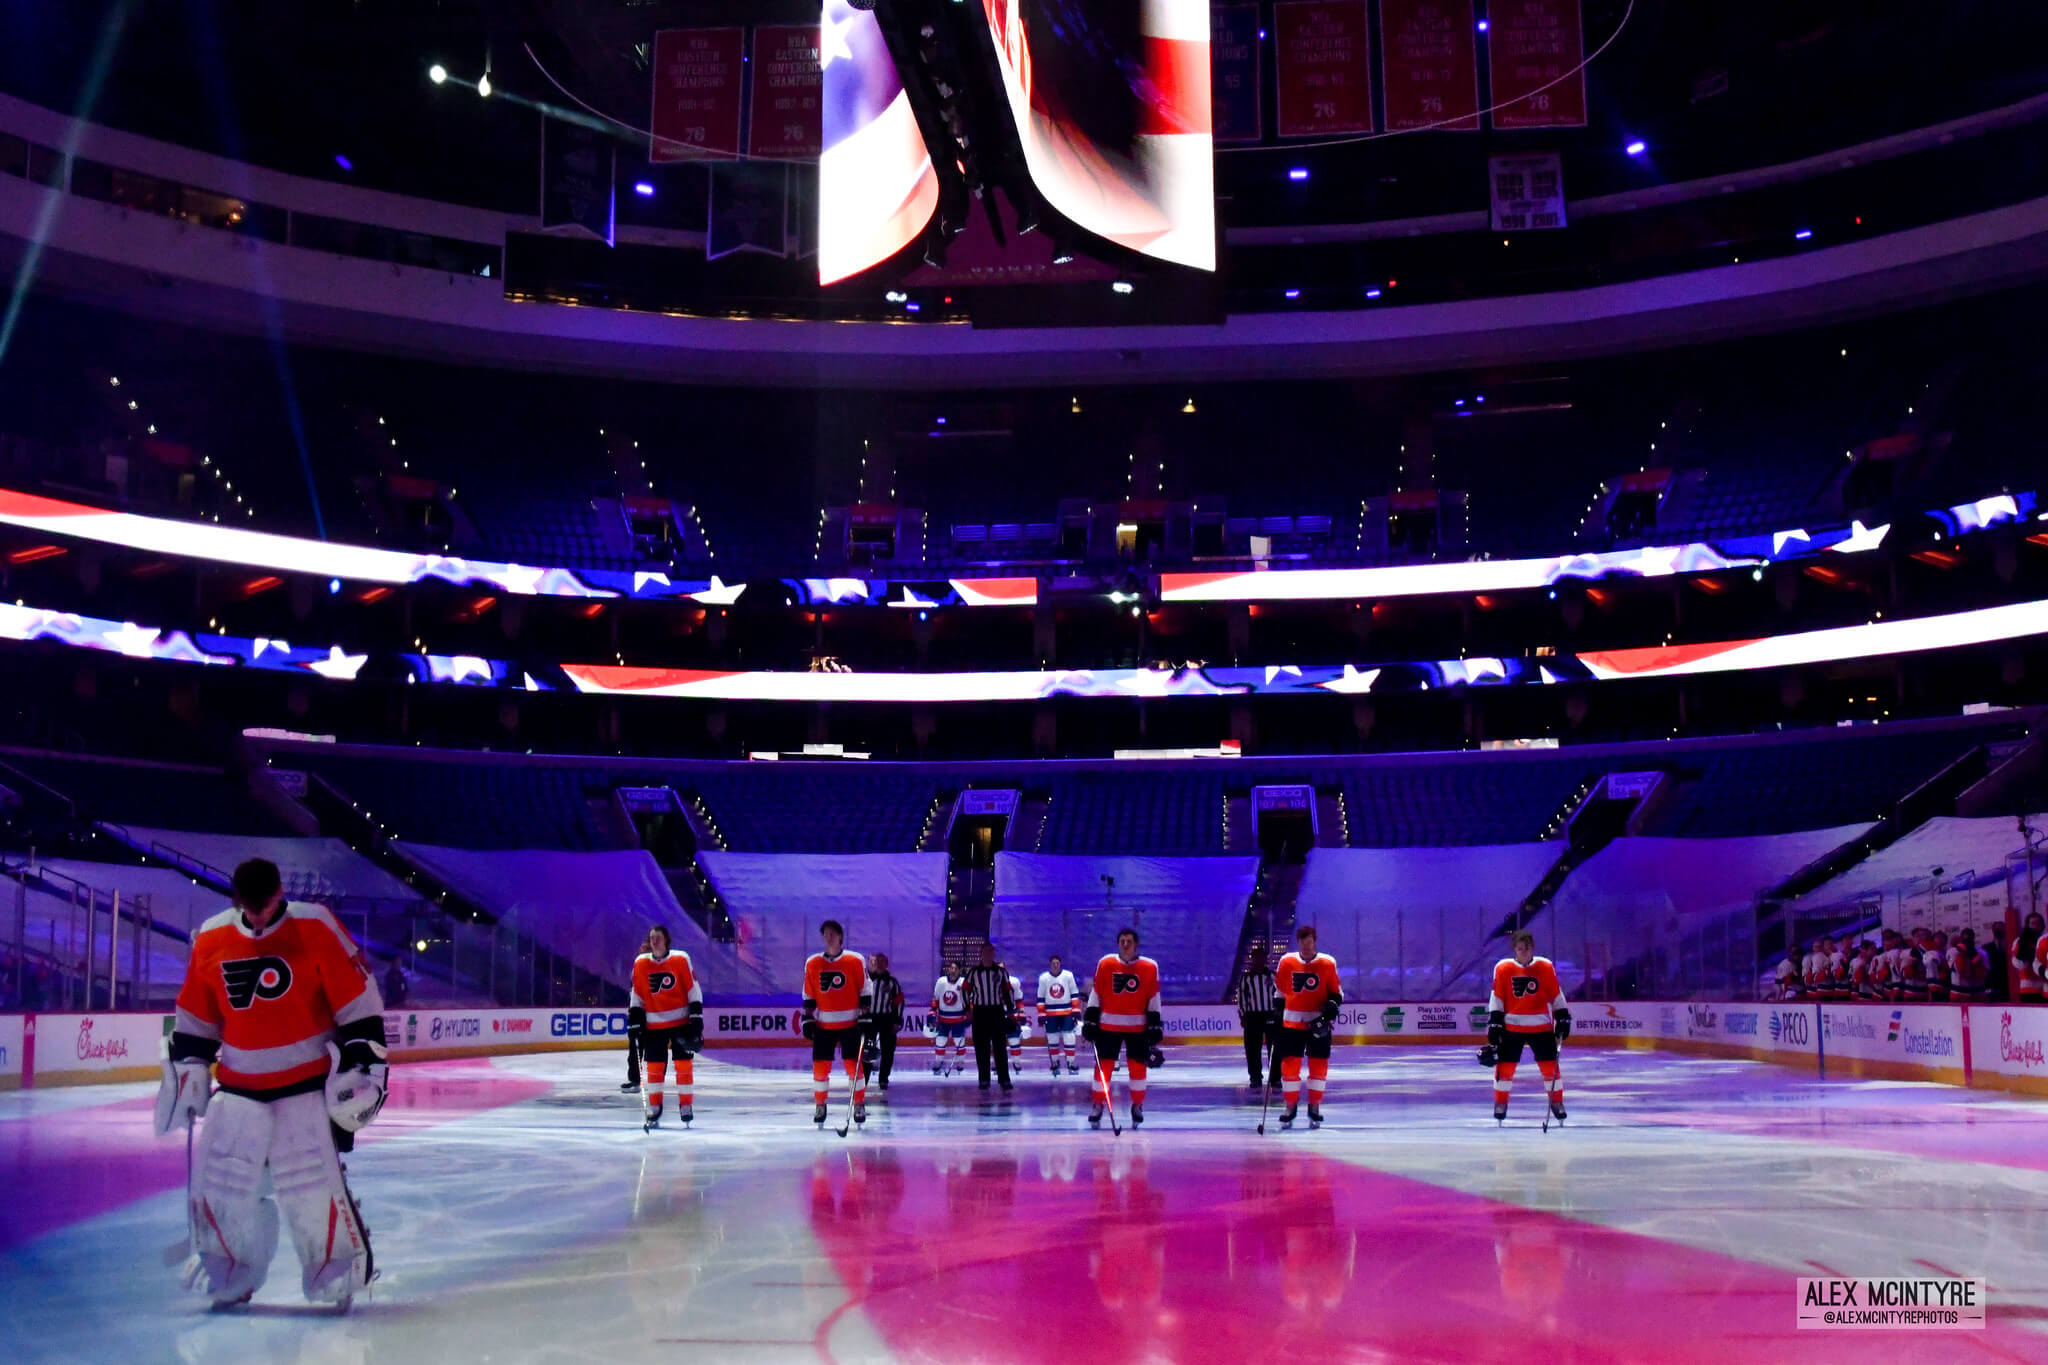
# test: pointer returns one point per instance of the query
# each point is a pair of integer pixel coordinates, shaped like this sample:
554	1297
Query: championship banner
577	169
786	112
697	85
1530	45
1526	191
748	209
1429	65
1323	59
1235	104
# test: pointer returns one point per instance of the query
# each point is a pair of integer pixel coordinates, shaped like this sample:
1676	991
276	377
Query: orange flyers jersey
836	986
1303	986
1125	992
666	987
273	1000
1528	994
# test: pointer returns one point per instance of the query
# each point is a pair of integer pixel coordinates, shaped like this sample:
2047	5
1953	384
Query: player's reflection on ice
1188	1256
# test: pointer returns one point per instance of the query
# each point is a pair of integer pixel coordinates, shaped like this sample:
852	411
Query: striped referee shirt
988	986
888	995
1255	994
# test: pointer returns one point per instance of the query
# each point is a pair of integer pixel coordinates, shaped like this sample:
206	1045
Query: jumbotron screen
1111	102
876	186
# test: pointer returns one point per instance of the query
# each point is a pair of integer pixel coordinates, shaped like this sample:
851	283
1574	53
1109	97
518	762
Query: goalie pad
255	1160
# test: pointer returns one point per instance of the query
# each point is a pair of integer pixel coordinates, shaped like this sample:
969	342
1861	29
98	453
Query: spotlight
333	586
1294	293
1298	173
1062	257
1637	148
344	162
1122	287
483	85
1482	26
437	73
644	188
1802	235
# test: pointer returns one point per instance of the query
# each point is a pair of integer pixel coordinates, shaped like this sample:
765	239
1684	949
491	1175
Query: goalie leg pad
234	1224
333	1246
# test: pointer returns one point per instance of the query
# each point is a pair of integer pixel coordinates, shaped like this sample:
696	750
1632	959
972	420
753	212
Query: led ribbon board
368	564
1876	639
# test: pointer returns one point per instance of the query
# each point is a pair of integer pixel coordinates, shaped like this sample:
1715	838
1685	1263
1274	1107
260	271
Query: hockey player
282	1000
1527	1009
1059	1014
1020	1028
837	1016
667	1007
1123	1015
1308	997
949	1021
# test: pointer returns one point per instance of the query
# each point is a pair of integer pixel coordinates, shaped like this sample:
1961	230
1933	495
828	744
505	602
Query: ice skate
1137	1114
650	1121
629	1088
1315	1116
860	1111
1095	1116
1500	1113
1557	1110
1287	1117
817	1113
686	1113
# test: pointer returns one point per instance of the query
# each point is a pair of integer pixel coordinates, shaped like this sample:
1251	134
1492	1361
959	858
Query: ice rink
519	1214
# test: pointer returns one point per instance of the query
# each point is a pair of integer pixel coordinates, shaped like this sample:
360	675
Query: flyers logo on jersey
1526	985
829	980
1306	981
658	982
250	979
1123	983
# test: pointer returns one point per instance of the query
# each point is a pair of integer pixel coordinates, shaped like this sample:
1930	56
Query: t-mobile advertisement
1112	104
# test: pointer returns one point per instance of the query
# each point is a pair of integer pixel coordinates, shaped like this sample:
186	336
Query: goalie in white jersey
1059	1014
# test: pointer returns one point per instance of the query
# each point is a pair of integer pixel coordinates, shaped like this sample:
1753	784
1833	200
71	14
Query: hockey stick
1266	1085
1109	1094
855	1082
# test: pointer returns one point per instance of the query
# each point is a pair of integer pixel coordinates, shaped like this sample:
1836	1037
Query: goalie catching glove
357	1084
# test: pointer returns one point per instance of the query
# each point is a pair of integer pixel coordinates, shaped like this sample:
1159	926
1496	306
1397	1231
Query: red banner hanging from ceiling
1323	60
1536	50
786	115
1429	65
697	85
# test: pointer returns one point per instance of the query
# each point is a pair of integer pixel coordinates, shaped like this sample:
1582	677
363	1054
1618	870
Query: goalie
278	997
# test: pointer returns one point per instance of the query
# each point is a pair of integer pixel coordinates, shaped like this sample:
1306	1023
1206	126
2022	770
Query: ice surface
519	1214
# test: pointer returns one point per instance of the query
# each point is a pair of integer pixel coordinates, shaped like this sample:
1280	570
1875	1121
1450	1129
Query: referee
988	992
1255	1006
888	1015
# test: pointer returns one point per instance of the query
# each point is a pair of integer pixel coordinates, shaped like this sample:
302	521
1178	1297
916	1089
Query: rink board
1989	1046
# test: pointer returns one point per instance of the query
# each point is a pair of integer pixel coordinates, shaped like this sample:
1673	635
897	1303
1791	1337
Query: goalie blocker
278	1000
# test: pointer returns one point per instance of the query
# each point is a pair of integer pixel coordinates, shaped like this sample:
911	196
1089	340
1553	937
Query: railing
71	972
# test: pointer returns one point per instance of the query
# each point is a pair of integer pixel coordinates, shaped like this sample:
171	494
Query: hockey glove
1489	1055
183	1096
692	1040
1563	1021
355	1092
1155	1030
636	1017
1320	1030
810	1030
1330	1008
1155	1058
931	1028
1497	1028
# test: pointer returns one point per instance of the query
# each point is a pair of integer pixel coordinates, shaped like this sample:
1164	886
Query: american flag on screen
876	186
